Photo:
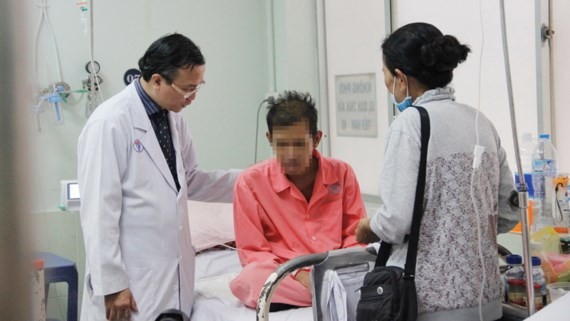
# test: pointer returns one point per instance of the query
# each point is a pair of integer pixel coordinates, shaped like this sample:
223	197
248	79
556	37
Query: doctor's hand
364	234
118	306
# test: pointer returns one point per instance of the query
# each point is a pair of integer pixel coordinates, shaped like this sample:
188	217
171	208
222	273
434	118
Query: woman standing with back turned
464	208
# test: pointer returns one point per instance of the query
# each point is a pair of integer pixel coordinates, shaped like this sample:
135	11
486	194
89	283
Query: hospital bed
215	269
214	301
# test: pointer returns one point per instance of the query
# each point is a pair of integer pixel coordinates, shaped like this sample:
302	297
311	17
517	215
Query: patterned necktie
165	141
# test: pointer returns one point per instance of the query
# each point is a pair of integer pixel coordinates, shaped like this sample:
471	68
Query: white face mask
407	102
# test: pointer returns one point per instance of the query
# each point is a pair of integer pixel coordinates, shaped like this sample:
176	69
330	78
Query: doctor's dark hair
289	108
168	54
420	50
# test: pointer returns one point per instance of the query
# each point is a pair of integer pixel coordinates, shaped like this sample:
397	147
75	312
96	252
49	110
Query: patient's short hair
291	107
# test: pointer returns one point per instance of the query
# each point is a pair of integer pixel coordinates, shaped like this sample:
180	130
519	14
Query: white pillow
211	224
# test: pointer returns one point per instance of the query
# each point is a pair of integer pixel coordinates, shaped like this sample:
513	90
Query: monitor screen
73	191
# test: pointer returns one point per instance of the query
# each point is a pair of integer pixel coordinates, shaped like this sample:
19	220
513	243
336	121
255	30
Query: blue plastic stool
59	269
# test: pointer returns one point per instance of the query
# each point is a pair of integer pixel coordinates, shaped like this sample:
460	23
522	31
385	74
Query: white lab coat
134	222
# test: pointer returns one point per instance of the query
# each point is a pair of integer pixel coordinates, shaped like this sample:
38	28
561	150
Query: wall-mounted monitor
70	200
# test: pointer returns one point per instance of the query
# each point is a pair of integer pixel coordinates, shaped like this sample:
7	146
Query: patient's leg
247	286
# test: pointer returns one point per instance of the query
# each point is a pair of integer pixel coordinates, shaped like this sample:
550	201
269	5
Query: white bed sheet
214	300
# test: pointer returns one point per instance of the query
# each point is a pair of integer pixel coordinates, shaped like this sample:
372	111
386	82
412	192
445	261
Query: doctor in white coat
135	186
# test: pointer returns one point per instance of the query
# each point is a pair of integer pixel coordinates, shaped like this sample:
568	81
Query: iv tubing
92	48
523	194
42	4
95	85
474	170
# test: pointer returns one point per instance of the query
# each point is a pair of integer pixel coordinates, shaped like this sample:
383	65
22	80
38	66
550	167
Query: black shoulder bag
388	292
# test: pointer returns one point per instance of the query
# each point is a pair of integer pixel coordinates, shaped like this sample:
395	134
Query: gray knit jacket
449	273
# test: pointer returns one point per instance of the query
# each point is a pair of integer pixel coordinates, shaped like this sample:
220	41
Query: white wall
232	40
295	56
462	19
353	34
561	77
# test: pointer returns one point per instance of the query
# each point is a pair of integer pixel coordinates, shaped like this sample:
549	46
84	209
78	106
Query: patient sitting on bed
294	204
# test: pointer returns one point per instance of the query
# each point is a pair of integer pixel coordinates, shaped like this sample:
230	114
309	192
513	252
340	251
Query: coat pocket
97	300
143	287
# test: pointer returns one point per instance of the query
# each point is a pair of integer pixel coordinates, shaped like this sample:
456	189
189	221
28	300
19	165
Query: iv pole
523	193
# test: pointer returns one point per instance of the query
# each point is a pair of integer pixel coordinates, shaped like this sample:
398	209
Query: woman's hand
364	234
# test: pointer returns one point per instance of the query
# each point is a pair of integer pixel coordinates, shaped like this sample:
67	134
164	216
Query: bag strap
386	248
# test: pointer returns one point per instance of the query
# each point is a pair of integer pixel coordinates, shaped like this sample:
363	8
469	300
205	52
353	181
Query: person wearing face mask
137	168
418	67
296	203
407	101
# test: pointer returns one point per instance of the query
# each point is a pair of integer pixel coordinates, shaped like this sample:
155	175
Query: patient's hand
364	234
304	277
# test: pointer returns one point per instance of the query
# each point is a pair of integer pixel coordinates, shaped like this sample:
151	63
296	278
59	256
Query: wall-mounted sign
356	106
131	75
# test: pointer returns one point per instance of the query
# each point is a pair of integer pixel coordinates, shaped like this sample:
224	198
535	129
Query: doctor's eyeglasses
192	91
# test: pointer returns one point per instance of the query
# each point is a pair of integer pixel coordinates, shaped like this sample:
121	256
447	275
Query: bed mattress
214	300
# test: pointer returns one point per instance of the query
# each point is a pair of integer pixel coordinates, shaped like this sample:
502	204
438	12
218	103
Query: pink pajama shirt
274	223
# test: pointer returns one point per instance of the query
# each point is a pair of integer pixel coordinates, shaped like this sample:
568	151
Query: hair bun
443	54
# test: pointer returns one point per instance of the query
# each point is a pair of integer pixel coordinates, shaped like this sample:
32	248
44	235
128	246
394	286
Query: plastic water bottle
526	151
515	280
539	284
544	170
